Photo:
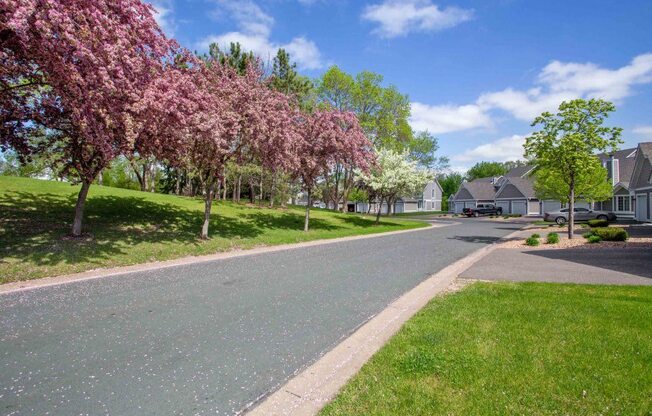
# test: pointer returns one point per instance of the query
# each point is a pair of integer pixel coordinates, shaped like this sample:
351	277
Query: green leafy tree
235	57
450	184
591	185
485	170
423	149
565	148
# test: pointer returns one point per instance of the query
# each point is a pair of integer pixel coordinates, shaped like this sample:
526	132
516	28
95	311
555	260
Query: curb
123	270
311	389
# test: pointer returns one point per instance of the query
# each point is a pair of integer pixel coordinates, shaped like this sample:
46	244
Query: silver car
581	214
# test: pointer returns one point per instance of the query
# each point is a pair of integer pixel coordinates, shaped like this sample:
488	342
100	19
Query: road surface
211	337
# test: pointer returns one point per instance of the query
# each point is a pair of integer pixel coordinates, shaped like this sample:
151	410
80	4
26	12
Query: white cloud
501	150
556	82
255	27
559	81
439	119
645	131
399	17
163	14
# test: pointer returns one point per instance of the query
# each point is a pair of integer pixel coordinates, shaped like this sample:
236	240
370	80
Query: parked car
482	209
581	214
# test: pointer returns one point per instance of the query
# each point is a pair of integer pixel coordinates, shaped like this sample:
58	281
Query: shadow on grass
32	226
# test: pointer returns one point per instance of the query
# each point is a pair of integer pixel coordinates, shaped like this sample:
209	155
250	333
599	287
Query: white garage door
641	207
504	205
550	206
459	206
519	207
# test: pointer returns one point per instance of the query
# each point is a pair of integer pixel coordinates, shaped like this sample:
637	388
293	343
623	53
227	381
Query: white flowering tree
393	176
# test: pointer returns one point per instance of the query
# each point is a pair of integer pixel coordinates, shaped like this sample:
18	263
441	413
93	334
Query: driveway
631	266
211	337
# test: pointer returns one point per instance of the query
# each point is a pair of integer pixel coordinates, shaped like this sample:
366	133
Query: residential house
620	166
477	191
640	184
429	200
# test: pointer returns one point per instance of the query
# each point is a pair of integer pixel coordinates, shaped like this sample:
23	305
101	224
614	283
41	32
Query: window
622	203
581	210
433	193
563	210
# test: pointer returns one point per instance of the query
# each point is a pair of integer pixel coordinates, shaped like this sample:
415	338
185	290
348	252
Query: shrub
535	235
594	239
532	241
552	238
598	223
611	234
588	235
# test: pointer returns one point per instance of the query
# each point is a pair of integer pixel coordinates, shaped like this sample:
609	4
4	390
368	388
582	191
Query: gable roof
625	163
519	171
481	188
524	185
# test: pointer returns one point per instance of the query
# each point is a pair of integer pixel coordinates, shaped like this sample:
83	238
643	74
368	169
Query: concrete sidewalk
624	266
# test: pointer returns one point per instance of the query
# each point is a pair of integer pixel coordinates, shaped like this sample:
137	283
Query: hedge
611	234
598	223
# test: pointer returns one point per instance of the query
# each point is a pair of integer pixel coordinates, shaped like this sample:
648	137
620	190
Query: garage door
469	205
459	206
641	207
504	205
519	207
550	206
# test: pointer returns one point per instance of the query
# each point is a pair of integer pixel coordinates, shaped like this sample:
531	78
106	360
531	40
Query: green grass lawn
514	349
130	227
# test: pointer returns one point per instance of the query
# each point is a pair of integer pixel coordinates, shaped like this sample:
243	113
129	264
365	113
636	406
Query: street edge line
38	283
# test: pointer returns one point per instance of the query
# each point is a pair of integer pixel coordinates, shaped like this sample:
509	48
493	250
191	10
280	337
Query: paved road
211	337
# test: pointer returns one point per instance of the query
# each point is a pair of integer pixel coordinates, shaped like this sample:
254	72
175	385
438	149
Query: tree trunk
307	219
239	190
100	179
380	207
571	211
224	190
252	191
208	202
79	209
271	190
177	186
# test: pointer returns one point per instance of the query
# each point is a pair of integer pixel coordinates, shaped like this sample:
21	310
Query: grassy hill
130	227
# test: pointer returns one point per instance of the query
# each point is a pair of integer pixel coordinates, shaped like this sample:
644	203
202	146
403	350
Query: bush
598	223
552	238
532	241
588	235
594	239
535	235
611	234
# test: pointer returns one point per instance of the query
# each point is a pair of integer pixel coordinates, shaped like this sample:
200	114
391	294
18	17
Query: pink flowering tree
73	70
241	118
329	138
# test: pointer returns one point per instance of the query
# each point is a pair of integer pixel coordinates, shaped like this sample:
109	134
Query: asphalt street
210	337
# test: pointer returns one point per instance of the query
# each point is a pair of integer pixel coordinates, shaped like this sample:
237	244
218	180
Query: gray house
516	196
620	167
478	191
428	200
640	184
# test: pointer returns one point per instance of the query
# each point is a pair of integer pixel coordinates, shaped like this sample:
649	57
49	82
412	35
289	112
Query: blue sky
476	72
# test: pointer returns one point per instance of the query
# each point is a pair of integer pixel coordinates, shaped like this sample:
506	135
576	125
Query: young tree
394	175
328	138
566	145
74	68
590	185
485	170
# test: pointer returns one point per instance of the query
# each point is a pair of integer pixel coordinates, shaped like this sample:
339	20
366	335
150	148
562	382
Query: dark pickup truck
482	209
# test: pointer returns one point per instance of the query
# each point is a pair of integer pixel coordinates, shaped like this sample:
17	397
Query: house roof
481	188
646	149
626	161
519	171
524	186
